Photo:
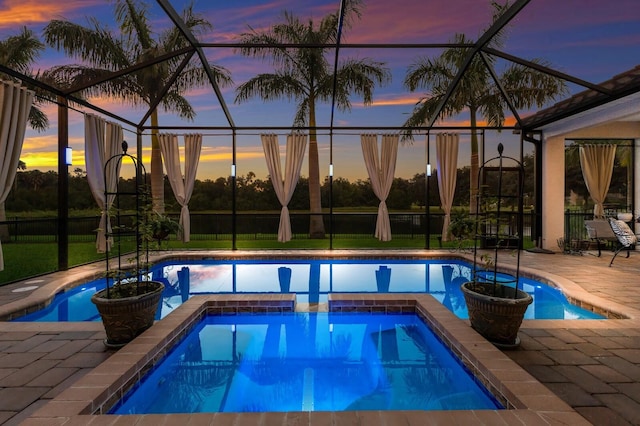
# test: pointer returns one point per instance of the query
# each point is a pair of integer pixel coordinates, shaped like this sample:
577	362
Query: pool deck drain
594	366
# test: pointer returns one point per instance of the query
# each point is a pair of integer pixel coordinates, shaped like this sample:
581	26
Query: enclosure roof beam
179	23
500	23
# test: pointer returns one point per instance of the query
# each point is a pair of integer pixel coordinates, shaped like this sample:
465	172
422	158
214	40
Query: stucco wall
553	171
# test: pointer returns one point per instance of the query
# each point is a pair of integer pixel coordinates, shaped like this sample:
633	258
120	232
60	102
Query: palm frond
96	46
173	38
361	77
194	75
174	101
528	87
20	51
302	113
423	111
133	21
38	120
270	87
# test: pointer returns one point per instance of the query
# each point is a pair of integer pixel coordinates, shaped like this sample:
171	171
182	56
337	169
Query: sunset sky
589	39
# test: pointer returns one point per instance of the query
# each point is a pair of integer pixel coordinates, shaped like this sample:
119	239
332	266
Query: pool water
311	281
307	362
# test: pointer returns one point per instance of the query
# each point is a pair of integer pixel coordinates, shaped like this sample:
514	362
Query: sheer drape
381	169
102	140
182	187
15	103
296	146
447	166
596	162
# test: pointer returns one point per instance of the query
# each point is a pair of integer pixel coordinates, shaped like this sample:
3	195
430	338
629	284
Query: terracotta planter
497	318
126	318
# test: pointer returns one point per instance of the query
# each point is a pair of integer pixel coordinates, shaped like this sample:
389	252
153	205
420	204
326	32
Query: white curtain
102	140
596	162
15	103
447	166
296	146
182	187
381	169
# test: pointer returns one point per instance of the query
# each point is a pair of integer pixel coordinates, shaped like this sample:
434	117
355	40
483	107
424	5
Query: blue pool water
311	281
307	362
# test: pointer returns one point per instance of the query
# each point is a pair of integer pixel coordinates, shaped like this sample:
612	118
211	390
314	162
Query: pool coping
527	401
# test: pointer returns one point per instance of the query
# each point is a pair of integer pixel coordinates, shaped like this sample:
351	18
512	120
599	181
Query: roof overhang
624	109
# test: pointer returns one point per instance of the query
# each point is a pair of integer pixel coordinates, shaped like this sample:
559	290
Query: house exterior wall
552	192
553	171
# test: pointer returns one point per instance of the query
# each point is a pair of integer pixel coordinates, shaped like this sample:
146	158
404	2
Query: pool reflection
311	281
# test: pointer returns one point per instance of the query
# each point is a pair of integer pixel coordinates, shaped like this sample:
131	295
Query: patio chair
626	238
600	232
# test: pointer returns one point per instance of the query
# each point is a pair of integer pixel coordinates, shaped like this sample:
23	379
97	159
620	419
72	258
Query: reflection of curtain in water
383	279
314	282
386	343
271	346
447	273
377	345
284	278
296	335
184	281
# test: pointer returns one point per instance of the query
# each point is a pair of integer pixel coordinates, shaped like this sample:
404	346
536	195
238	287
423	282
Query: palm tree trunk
316	224
157	175
474	166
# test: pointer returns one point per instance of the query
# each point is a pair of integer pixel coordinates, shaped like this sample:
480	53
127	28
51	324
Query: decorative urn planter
125	318
129	303
496	315
495	304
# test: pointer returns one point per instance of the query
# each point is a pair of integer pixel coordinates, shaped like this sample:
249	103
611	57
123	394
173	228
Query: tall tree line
35	190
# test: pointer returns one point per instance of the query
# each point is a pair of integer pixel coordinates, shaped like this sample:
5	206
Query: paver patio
594	366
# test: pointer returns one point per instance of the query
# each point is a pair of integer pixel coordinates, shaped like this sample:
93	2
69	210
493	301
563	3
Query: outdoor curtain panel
381	169
182	188
15	103
447	165
596	162
296	146
102	140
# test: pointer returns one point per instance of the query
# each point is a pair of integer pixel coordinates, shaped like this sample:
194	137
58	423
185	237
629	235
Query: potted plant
495	304
462	225
129	303
161	226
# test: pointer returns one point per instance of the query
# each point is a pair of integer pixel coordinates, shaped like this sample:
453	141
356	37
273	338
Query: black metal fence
249	226
574	230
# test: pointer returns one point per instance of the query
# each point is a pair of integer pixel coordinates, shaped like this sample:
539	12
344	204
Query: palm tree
19	52
476	90
103	53
306	76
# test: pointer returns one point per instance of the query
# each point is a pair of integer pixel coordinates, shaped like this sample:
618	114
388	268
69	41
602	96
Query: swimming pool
311	280
307	362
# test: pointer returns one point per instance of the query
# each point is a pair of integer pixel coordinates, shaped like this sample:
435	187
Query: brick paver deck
594	366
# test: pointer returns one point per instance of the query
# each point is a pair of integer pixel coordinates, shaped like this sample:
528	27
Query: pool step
312	307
